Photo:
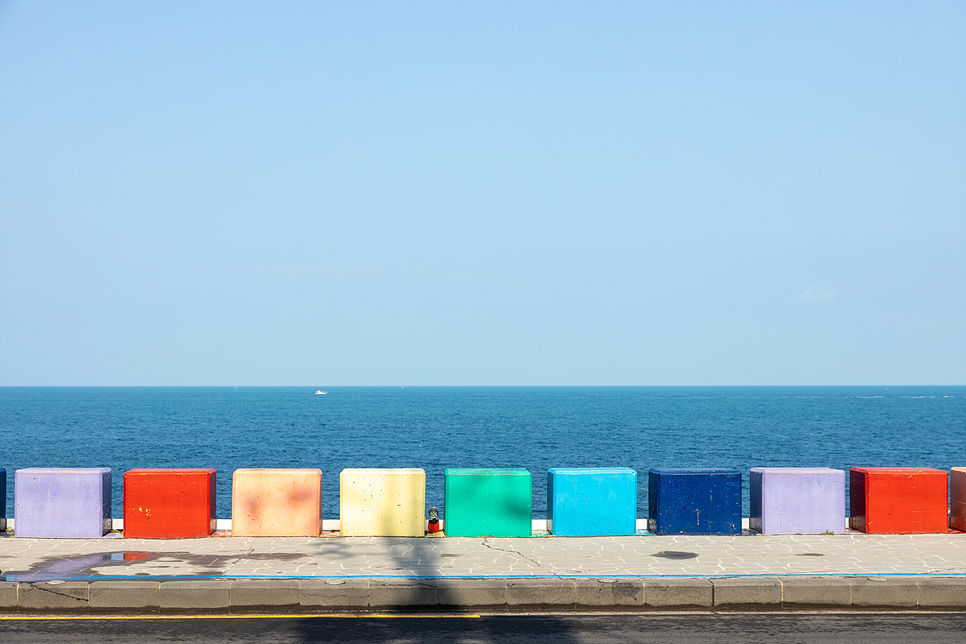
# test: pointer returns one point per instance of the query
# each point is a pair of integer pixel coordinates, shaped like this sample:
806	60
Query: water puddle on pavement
182	564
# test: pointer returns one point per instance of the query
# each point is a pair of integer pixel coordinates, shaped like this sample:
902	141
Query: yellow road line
8	618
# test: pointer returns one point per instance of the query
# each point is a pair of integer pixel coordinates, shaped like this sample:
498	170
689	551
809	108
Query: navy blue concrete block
694	501
592	502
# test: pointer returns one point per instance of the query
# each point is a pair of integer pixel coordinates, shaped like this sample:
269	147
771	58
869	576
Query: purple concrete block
62	503
797	500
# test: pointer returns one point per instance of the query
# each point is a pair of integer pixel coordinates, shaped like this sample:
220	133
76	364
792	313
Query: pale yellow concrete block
382	502
276	503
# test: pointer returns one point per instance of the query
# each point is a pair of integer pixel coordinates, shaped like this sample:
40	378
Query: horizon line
61	386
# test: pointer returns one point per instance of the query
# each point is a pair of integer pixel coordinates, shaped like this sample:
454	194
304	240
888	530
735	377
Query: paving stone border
246	596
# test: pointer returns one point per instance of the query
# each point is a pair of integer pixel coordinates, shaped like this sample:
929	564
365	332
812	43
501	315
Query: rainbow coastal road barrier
586	502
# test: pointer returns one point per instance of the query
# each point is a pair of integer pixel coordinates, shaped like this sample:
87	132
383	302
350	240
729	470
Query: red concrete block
898	500
169	503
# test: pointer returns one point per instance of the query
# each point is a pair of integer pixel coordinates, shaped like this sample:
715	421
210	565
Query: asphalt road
878	628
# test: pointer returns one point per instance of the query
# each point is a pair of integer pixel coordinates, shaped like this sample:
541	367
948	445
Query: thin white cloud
815	294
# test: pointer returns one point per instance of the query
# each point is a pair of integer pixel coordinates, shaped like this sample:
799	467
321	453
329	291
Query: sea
438	427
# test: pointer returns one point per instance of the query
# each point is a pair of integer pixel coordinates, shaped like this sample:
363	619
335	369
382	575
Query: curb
248	596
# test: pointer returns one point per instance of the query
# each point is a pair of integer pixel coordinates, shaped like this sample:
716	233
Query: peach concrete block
382	502
276	503
957	498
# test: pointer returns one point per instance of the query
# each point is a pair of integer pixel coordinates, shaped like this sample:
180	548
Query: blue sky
242	193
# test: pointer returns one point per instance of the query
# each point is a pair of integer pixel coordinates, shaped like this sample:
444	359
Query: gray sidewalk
227	574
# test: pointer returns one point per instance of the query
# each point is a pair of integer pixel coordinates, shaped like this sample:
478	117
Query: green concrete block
488	503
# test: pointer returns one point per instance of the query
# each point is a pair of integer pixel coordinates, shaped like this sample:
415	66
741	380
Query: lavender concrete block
62	503
3	503
797	500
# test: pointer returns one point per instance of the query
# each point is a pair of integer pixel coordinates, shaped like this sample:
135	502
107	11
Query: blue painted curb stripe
29	578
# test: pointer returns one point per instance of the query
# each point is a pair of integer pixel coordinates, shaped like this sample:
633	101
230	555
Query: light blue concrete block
592	502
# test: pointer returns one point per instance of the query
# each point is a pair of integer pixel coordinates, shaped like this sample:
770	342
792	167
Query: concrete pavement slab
812	593
678	594
741	593
541	593
402	593
199	594
942	592
125	595
602	557
471	593
253	594
612	593
884	592
334	594
8	595
50	596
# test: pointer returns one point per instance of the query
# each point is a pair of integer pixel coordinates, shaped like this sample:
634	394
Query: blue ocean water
438	427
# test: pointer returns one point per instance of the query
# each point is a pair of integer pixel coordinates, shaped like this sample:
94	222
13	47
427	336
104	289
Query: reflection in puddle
83	565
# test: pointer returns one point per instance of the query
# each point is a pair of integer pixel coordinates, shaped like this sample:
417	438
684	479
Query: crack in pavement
536	563
53	591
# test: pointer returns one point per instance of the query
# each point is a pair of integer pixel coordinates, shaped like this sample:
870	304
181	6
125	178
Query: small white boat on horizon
321	392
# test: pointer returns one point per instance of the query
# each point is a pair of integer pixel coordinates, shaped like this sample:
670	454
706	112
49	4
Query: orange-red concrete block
276	503
957	498
898	500
169	503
